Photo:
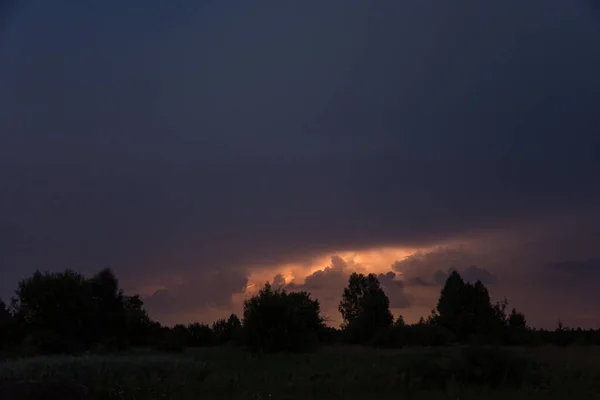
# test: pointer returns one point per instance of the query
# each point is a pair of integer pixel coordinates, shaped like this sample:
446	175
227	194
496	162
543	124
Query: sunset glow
378	260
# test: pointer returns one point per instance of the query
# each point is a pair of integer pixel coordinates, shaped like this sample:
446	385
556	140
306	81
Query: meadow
334	372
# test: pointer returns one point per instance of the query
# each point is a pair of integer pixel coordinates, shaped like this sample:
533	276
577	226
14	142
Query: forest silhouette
67	313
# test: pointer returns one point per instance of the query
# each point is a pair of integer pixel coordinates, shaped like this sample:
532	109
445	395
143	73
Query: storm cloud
188	139
327	285
431	267
208	289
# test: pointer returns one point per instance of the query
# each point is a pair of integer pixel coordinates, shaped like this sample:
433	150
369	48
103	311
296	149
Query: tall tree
365	308
450	303
110	318
466	310
138	323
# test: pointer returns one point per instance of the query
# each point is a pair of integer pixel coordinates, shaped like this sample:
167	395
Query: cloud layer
327	285
430	268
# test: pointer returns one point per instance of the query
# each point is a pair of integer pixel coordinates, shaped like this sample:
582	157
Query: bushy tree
466	310
365	308
65	312
57	307
110	321
275	320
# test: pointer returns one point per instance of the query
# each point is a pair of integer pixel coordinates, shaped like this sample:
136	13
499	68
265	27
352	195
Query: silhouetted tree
138	324
110	319
518	333
227	330
432	319
59	311
68	313
235	326
466	310
399	322
276	320
65	312
450	305
365	308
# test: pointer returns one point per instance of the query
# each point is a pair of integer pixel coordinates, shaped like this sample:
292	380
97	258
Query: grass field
330	373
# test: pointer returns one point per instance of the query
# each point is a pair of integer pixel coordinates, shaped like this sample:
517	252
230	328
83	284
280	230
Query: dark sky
195	145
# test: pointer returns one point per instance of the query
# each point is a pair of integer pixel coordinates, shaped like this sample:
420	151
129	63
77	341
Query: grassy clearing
334	372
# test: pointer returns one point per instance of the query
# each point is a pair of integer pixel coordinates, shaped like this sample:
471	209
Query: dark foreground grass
331	373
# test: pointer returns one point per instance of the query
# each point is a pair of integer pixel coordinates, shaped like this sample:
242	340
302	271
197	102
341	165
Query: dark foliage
329	335
365	308
466	310
275	320
227	330
67	313
420	334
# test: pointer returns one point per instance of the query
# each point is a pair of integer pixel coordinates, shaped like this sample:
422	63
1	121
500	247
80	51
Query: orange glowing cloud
377	260
328	291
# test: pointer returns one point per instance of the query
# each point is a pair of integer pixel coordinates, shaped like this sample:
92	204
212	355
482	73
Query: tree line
67	313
